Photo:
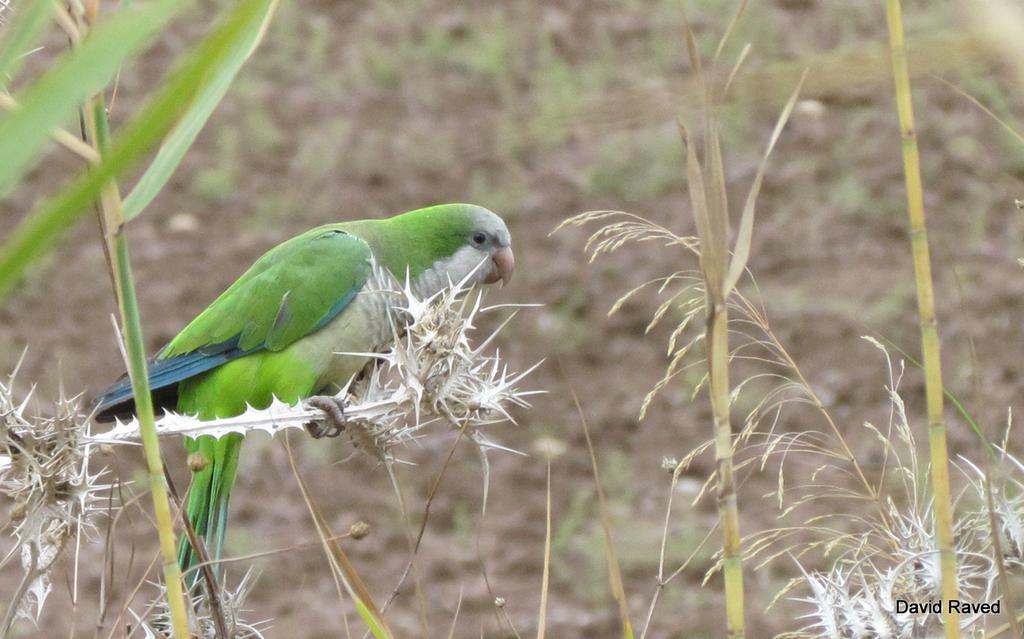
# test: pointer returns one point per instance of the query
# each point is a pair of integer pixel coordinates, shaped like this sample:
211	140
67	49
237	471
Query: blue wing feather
167	372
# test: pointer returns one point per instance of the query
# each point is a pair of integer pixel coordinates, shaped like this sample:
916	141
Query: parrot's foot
334	422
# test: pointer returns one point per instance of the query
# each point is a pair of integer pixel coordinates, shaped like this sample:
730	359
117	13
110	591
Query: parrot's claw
334	422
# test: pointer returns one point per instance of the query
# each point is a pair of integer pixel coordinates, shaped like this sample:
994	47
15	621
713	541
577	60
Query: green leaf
55	97
44	227
22	32
184	134
371	621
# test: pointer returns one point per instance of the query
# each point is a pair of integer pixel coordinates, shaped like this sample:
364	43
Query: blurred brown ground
539	111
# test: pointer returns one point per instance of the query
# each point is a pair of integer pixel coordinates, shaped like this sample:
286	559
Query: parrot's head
488	237
474	243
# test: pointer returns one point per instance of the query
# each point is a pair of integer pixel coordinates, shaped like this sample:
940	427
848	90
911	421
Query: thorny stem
929	324
26	581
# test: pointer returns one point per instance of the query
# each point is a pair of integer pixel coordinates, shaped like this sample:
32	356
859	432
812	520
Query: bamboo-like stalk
710	208
59	135
717	336
929	323
97	126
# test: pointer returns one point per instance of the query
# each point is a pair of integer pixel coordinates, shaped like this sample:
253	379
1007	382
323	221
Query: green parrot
278	331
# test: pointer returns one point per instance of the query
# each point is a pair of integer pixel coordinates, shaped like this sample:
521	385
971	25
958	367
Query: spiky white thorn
824	613
44	471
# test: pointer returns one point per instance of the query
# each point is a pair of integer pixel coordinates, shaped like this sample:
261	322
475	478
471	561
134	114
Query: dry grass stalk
611	559
708	290
929	323
877	532
711	290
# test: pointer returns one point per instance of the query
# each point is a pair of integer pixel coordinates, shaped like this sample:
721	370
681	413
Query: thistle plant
155	621
883	557
54	496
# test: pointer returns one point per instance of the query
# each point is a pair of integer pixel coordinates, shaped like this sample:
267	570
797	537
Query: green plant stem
717	339
150	441
124	285
929	323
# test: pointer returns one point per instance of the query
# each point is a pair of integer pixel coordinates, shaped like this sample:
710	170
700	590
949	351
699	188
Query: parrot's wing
293	290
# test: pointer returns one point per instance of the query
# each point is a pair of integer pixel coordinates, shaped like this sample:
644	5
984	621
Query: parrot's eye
479	238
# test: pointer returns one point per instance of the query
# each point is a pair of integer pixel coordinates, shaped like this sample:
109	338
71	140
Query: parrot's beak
504	264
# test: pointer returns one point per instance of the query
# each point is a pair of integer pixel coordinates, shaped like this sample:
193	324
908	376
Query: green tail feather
207	507
226	391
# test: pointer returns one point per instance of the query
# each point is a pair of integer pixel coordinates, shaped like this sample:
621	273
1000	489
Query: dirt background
540	111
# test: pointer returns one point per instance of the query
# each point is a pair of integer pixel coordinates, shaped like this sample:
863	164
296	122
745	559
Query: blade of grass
984	109
740	8
421	605
60	136
741	250
455	617
350	578
431	494
698	201
22	33
717	201
206	100
55	97
43	228
614	571
929	324
542	616
160	114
